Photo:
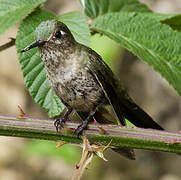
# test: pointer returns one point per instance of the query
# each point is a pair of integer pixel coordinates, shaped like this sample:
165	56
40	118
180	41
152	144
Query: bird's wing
123	105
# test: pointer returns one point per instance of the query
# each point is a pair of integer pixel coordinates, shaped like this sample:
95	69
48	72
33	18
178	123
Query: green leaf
174	22
77	24
12	11
95	8
32	65
152	41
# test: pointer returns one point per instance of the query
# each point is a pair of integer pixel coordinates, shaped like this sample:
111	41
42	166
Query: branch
8	45
138	138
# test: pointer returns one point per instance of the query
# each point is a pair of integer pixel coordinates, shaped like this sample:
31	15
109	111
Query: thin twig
8	45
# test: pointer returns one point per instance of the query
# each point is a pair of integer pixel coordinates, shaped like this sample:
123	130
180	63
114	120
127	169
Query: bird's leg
85	123
60	121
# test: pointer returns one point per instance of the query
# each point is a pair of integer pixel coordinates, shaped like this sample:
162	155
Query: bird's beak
36	44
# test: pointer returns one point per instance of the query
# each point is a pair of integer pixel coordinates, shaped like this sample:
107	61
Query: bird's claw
61	120
59	123
81	128
79	131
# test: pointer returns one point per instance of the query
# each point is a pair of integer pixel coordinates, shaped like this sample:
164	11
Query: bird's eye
58	34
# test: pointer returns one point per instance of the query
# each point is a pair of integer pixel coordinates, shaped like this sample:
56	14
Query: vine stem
131	137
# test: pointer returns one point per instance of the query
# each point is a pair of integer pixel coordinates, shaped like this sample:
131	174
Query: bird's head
51	33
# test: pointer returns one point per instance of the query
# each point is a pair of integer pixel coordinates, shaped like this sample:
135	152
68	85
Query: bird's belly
81	92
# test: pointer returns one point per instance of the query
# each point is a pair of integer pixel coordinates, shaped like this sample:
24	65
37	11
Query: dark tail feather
136	115
128	153
140	118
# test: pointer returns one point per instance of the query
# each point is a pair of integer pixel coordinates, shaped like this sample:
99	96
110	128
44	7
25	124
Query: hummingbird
85	83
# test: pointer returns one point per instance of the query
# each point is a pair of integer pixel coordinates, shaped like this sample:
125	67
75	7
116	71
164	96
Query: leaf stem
137	138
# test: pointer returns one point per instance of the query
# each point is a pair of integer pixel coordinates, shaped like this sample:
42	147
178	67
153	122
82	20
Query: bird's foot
85	123
60	122
81	128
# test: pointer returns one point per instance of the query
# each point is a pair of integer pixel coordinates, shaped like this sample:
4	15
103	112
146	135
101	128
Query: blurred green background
29	159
